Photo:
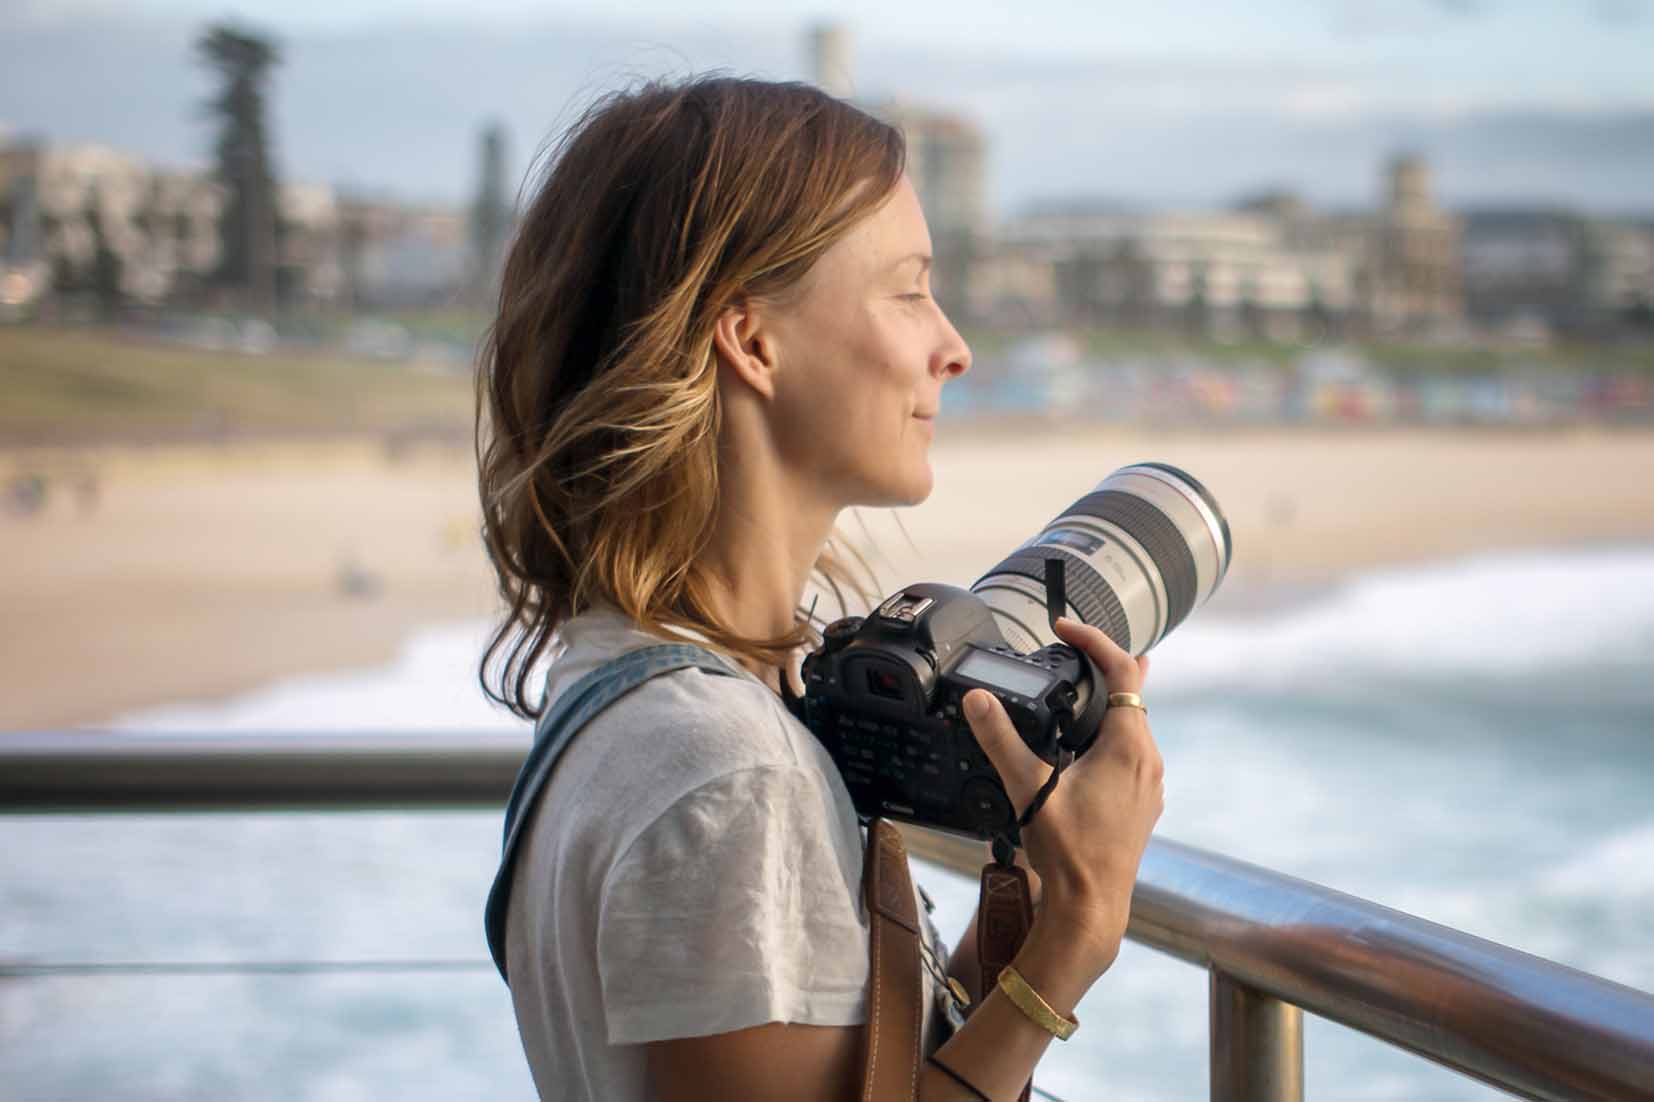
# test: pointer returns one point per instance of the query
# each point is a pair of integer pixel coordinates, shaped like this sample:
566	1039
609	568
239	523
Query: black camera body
884	694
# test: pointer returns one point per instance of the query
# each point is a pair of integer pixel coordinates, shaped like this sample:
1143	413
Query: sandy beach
155	576
201	572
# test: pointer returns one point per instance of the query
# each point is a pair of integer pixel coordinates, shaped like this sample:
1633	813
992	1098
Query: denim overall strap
552	734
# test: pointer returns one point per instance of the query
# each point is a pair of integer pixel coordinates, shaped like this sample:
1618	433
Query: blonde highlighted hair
597	403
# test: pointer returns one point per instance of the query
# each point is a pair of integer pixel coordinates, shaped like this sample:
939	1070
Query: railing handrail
1521	1023
97	771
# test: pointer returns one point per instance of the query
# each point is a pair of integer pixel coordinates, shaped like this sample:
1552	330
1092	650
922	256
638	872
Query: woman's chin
895	489
915	487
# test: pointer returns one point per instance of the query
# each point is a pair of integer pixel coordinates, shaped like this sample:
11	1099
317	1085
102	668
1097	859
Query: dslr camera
884	693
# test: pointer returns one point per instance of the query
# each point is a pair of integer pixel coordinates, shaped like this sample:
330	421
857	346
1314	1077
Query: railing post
1257	1045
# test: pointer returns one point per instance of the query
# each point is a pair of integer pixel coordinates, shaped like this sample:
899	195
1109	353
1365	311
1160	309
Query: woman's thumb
1021	770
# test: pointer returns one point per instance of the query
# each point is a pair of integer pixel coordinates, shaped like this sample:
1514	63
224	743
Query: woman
715	333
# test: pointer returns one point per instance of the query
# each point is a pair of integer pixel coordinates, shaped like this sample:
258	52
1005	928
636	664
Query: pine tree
247	227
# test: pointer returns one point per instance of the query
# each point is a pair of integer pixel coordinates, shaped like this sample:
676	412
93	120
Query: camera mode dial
838	634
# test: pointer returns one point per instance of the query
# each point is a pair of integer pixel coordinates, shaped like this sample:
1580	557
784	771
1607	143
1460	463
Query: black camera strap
1056	605
1005	909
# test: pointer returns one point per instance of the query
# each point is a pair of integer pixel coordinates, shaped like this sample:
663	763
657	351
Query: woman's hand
1088	839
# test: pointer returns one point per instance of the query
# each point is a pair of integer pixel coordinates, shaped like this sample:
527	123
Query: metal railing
1274	946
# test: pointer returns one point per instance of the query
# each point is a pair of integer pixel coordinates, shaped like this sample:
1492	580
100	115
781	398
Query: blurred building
1414	267
89	221
309	247
1216	272
946	160
396	254
830	60
86	213
1619	274
1271	267
1544	271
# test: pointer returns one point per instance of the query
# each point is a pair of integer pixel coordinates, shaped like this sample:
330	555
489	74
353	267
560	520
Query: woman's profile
715	333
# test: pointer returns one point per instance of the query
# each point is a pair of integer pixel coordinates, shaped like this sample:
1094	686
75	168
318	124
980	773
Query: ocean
1471	742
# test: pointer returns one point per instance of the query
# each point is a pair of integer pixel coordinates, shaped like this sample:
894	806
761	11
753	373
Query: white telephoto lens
1141	551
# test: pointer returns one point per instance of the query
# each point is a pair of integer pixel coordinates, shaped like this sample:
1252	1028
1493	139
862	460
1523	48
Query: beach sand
157	576
202	572
1305	507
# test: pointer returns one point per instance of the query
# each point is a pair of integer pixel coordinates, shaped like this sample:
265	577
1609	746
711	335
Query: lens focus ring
1160	538
1091	595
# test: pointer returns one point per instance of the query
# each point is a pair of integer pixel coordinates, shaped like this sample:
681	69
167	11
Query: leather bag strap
895	1008
895	1015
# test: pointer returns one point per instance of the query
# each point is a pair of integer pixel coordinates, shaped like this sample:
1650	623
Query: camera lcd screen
1003	673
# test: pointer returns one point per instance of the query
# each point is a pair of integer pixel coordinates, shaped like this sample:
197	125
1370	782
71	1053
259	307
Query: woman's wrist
999	1045
1077	943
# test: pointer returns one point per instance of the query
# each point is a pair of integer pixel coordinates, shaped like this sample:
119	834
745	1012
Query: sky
1179	103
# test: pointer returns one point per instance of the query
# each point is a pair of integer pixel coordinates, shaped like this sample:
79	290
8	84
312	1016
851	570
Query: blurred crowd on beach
1323	386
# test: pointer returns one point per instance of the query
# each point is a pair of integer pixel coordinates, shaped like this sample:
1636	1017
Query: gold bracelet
1038	1010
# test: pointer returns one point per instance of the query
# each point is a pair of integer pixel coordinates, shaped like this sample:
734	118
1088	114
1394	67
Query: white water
1472	742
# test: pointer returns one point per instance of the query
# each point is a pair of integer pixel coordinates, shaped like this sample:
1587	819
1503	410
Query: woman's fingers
1125	731
1021	770
1122	672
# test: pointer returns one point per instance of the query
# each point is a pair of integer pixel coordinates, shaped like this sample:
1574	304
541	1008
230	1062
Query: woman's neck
770	532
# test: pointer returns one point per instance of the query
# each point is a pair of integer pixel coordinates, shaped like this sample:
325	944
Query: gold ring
1127	700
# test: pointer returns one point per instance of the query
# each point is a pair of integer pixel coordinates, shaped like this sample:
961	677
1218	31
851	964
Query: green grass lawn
61	385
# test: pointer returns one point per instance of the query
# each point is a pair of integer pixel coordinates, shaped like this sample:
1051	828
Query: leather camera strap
1004	915
895	1007
895	1010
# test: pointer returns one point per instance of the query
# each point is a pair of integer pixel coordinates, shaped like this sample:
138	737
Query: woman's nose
953	359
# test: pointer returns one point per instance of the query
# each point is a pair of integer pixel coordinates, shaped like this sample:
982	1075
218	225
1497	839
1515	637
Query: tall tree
247	227
107	265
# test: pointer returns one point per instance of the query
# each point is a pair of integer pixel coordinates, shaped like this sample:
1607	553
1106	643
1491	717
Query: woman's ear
745	346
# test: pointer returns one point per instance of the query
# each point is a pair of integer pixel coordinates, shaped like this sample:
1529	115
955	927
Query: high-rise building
490	216
946	160
1415	272
830	59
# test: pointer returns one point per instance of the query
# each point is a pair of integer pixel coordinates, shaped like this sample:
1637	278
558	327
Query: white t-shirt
692	867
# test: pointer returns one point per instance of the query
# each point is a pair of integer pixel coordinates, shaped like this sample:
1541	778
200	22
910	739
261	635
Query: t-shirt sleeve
735	907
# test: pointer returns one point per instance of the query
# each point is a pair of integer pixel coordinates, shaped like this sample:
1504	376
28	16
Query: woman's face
863	350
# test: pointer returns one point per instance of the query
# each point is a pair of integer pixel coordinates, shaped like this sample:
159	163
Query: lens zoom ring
1088	591
1159	536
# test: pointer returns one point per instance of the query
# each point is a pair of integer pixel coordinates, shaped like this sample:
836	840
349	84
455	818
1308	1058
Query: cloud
1619	13
1359	19
1611	12
1461	7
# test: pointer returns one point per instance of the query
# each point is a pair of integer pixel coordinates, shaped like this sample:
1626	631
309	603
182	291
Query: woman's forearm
998	1048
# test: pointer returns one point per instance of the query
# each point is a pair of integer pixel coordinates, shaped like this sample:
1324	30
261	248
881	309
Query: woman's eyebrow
922	258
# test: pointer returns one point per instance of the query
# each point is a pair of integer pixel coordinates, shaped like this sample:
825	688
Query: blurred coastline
160	574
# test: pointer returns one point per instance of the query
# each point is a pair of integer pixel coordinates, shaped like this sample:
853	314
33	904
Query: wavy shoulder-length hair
597	403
